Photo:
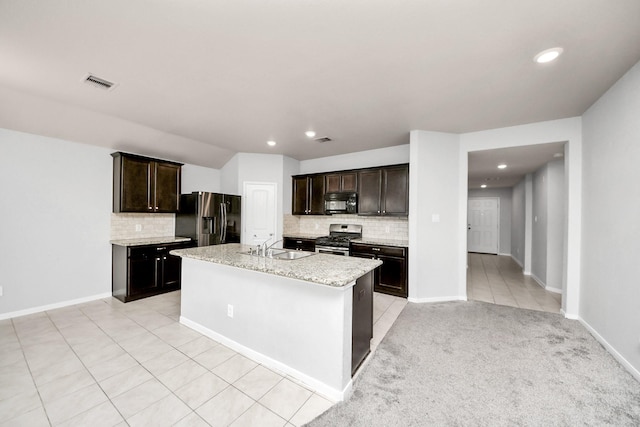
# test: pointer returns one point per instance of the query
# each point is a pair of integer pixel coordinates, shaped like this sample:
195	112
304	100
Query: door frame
565	130
497	199
274	185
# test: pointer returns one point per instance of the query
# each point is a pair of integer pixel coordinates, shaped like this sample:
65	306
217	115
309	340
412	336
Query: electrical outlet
138	227
1	291
317	226
230	310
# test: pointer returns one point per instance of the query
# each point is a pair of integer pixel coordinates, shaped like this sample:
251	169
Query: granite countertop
324	269
150	241
383	242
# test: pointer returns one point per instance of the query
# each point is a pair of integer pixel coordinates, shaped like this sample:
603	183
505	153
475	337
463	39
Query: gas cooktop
340	235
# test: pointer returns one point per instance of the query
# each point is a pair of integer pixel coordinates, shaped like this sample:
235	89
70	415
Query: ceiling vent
98	82
323	139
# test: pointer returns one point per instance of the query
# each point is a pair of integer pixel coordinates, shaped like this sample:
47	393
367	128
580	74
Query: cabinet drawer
299	244
150	251
143	251
378	250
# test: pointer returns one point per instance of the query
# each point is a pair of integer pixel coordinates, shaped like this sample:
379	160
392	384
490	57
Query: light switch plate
435	218
1	291
230	310
138	227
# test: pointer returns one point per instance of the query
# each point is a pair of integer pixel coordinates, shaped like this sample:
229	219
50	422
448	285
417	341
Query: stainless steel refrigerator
209	218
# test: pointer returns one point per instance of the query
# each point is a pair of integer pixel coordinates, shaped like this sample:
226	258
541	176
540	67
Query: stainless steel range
337	242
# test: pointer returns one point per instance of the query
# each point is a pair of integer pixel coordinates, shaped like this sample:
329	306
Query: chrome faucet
264	249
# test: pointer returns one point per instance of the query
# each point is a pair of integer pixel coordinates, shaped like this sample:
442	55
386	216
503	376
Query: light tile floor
499	280
105	363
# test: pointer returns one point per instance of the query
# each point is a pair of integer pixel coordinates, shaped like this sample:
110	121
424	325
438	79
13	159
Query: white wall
363	159
290	167
518	205
229	176
504	194
539	227
55	228
434	245
198	178
56	220
610	294
556	224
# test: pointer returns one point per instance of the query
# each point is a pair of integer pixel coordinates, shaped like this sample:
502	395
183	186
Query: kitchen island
295	316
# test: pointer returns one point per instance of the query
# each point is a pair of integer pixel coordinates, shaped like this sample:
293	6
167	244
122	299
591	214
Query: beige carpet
478	364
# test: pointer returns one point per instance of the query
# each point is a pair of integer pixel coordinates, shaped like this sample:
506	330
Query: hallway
498	279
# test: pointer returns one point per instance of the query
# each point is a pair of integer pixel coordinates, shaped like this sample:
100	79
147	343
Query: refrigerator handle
223	223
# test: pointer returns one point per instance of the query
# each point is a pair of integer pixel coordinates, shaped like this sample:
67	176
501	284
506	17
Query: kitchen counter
310	318
150	241
323	269
383	242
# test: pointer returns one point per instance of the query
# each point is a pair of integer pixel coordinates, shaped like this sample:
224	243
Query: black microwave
340	203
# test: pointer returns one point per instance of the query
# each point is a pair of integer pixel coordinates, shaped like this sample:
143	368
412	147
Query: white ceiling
204	79
483	165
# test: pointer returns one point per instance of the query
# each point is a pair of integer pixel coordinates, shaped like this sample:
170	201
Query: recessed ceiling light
310	134
271	143
483	186
548	55
502	166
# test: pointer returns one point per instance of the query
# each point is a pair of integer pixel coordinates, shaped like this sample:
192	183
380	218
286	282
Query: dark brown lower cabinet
143	271
299	244
391	277
362	320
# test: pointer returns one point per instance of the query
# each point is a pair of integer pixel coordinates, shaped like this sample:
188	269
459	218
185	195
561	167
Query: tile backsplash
393	228
141	225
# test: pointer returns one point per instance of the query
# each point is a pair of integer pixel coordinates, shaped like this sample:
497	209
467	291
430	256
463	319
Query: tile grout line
24	356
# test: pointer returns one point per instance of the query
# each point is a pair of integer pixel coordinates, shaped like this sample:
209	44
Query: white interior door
259	212
483	225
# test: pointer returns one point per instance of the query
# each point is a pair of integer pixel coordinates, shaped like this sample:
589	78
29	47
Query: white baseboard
517	261
552	289
569	316
307	381
504	254
48	307
437	299
624	362
539	281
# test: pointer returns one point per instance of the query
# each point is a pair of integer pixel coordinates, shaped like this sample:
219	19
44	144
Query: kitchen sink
283	254
292	255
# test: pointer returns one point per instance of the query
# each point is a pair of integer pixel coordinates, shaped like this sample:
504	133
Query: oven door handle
332	251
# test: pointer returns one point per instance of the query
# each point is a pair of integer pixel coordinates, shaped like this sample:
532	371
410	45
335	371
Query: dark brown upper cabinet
341	182
143	184
384	191
308	195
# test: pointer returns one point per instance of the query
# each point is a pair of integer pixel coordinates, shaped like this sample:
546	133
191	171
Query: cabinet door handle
375	249
160	249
